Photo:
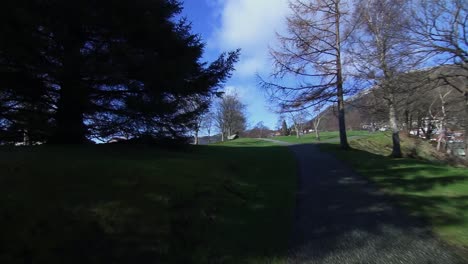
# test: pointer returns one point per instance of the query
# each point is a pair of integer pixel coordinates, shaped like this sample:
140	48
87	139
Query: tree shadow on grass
228	205
124	204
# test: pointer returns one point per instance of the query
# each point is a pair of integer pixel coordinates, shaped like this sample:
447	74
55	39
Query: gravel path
341	218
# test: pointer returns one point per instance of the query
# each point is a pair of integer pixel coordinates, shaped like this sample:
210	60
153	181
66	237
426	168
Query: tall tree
207	123
381	52
284	128
311	52
319	115
299	120
440	30
106	66
230	115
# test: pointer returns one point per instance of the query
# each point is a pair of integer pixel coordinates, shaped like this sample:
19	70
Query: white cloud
250	65
250	25
257	108
247	94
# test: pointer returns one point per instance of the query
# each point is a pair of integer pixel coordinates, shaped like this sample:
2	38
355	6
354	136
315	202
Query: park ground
228	203
223	203
422	183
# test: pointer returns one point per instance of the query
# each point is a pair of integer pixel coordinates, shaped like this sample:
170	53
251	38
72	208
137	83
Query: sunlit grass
422	185
324	136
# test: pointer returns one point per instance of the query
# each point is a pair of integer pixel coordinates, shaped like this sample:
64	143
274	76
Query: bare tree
207	123
199	105
438	112
316	122
311	52
440	29
381	52
299	120
230	115
200	123
196	129
284	127
260	130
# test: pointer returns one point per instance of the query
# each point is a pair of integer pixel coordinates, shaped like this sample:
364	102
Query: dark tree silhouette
284	129
97	68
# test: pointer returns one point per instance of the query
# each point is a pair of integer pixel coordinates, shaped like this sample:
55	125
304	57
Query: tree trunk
407	122
316	123
466	125
26	138
429	130
441	138
339	87
442	129
410	125
396	148
341	119
72	101
196	138
418	133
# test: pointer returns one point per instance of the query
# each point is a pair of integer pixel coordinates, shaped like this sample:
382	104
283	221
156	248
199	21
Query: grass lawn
229	203
436	192
324	136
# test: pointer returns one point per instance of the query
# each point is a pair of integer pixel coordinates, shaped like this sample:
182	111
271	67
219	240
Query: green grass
324	137
225	203
425	188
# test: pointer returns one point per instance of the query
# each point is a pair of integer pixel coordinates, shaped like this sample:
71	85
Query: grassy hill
420	182
131	204
324	136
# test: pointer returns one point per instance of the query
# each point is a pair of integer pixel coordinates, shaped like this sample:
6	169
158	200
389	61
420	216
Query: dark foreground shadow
208	204
140	204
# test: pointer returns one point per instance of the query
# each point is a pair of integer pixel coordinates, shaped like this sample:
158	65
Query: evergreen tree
96	68
284	129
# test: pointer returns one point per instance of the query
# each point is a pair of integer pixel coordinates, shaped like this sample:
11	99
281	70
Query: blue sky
226	25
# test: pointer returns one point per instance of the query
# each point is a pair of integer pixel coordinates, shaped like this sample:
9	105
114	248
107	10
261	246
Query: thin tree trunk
297	131
407	122
316	123
442	124
341	111
26	138
72	101
428	133
466	125
196	138
419	126
410	125
396	148
441	138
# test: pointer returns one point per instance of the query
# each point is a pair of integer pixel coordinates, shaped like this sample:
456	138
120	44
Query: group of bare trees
227	116
333	47
230	117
